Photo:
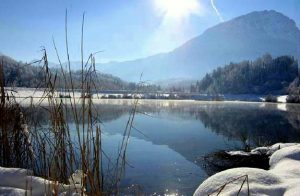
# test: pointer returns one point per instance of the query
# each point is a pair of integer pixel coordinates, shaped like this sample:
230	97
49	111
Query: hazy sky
124	29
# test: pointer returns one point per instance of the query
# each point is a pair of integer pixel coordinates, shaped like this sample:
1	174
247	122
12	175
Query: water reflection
261	124
174	134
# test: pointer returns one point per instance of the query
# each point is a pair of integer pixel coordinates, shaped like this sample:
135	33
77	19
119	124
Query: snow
16	181
291	153
281	99
240	153
268	150
283	177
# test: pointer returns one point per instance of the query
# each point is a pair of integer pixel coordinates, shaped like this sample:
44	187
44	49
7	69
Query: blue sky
124	29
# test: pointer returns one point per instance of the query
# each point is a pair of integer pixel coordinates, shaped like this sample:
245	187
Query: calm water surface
164	158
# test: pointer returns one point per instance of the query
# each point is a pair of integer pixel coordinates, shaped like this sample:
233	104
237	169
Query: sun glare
178	8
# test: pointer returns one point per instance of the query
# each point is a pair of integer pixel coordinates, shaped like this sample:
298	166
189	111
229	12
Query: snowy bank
15	181
282	98
283	177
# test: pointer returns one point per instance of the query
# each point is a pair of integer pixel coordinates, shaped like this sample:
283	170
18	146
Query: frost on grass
283	177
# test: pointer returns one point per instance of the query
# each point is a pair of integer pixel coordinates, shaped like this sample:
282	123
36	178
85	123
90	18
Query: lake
170	137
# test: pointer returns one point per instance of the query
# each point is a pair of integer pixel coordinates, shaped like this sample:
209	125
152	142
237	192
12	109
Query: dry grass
55	152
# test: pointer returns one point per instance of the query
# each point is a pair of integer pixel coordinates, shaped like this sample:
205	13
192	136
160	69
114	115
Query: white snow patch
283	178
16	181
240	153
282	99
267	150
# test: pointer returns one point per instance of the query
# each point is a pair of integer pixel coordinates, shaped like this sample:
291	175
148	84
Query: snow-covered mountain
243	38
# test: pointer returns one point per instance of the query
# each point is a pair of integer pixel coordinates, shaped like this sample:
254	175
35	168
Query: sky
122	29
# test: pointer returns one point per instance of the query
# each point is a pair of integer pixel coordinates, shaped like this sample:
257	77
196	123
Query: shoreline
30	95
278	180
34	100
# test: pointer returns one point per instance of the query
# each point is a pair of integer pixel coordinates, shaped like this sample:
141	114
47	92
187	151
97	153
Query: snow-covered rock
239	153
283	177
266	150
16	181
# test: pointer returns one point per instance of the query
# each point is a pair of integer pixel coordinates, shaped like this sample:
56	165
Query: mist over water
170	137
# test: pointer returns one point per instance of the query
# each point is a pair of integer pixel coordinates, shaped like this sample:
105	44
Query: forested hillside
18	74
263	76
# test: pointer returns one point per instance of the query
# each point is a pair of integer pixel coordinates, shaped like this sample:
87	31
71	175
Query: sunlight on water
166	149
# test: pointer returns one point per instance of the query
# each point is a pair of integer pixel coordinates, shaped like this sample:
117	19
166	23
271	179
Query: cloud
216	10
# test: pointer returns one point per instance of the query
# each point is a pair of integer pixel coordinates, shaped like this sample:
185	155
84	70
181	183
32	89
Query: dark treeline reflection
187	127
170	138
262	125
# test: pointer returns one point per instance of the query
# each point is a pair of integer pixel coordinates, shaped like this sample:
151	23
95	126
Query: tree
262	76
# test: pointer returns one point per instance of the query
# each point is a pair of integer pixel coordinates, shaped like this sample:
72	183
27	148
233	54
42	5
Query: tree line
19	74
265	75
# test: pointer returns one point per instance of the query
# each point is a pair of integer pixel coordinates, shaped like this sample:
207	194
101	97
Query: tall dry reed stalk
58	151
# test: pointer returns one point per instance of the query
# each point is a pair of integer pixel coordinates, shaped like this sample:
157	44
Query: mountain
245	37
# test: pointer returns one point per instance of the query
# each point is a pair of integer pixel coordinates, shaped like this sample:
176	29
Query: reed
59	152
15	145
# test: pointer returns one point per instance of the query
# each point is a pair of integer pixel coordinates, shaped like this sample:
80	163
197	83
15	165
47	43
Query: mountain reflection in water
169	136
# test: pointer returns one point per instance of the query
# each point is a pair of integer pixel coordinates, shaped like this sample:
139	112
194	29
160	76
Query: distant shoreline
27	93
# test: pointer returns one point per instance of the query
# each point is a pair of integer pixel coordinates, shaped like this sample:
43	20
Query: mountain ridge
245	37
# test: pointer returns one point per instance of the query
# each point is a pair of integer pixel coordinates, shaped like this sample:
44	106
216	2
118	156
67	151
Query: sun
177	8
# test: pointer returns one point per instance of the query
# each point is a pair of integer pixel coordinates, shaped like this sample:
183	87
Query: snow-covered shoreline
16	181
283	177
31	94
